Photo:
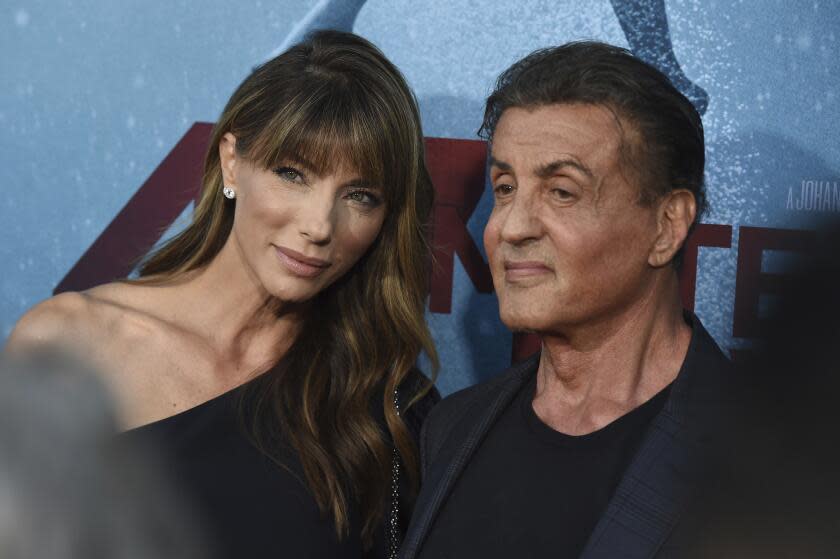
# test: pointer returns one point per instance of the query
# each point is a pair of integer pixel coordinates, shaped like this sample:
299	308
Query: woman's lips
299	264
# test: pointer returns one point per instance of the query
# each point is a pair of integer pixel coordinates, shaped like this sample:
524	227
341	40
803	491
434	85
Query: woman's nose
317	220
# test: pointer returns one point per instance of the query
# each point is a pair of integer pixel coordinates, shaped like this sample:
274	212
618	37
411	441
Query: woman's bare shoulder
48	323
69	319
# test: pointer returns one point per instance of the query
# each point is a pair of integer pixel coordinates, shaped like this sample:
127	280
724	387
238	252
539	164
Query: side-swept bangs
327	121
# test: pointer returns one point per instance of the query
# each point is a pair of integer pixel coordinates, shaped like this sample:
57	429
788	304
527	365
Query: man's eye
562	194
289	174
364	197
503	189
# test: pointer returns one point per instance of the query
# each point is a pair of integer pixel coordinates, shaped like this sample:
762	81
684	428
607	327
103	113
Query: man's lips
520	269
300	264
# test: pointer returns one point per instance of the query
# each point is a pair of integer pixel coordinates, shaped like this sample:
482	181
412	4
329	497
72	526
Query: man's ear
228	159
675	214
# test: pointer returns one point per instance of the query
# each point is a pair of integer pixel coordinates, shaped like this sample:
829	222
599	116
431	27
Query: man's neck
590	375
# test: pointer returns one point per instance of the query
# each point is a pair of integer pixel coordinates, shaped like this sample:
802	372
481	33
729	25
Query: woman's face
295	230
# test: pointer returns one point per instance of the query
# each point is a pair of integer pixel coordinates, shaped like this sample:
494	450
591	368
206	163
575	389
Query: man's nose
317	219
521	222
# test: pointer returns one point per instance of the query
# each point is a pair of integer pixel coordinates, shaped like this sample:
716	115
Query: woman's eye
364	197
289	174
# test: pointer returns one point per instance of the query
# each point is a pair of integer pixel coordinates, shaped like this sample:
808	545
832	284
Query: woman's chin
287	296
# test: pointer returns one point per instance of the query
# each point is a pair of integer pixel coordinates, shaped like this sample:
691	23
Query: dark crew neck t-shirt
531	491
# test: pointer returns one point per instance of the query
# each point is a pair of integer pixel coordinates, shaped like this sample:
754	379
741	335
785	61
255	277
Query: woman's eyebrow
360	183
300	161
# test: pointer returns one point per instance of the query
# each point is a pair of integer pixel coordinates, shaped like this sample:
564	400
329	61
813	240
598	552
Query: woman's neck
226	305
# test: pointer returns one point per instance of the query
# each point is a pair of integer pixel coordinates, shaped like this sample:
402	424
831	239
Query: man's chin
522	323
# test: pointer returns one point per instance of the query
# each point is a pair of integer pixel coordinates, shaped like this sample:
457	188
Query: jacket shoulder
451	409
464	404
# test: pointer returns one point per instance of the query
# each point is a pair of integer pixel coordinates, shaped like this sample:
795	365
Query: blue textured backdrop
96	93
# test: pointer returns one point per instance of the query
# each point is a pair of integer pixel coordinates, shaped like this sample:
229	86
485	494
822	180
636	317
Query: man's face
568	241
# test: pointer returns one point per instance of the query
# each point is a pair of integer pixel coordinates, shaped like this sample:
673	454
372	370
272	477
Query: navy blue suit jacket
657	486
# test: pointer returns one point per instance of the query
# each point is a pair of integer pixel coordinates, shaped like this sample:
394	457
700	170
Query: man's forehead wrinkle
598	189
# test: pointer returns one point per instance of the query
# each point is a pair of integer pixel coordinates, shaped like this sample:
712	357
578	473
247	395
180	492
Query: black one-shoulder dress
247	505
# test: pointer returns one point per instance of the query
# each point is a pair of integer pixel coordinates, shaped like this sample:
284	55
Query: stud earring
229	193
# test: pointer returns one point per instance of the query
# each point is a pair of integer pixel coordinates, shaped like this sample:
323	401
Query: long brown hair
333	98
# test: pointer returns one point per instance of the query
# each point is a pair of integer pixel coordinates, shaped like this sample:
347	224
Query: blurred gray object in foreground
67	491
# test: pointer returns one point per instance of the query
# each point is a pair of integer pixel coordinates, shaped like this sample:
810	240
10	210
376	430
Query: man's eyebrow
549	169
500	164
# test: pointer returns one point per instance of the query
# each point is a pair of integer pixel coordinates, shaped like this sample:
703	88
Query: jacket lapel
458	449
658	484
649	499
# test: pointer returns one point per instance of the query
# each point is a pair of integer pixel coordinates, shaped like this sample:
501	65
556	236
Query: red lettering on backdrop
704	235
457	168
751	282
523	346
146	216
